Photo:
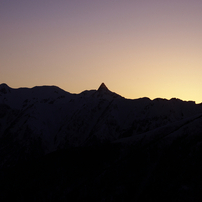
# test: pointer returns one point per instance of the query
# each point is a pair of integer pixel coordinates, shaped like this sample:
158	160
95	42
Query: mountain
98	146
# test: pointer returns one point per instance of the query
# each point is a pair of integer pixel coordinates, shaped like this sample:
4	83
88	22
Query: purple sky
137	48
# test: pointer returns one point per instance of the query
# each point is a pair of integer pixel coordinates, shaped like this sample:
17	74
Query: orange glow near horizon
138	49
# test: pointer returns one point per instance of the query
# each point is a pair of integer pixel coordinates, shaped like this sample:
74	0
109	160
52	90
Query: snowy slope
43	119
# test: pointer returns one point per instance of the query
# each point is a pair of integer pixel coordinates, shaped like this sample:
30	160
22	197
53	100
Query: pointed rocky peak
103	87
104	92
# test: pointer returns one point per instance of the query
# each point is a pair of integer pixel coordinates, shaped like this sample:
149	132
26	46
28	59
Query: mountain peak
4	88
103	87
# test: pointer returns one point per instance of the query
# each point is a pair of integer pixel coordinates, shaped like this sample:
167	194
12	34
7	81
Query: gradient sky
138	48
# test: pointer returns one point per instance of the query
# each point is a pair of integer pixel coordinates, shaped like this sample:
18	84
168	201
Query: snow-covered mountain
51	118
42	121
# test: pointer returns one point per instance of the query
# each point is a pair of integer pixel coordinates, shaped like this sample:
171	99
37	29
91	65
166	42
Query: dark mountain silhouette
97	145
103	87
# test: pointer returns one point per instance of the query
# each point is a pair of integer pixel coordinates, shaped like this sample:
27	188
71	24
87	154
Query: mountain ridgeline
97	145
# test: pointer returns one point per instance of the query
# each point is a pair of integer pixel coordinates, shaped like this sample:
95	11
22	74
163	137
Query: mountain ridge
94	113
101	88
131	139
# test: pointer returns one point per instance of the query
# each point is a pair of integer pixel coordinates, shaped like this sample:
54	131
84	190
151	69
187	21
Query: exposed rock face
98	146
103	87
